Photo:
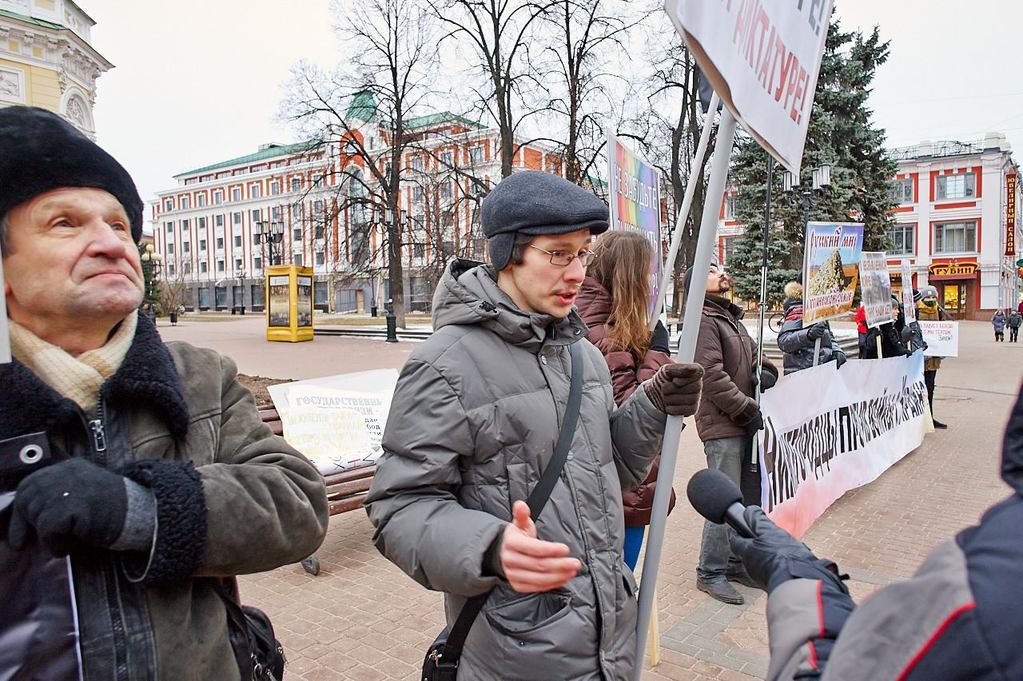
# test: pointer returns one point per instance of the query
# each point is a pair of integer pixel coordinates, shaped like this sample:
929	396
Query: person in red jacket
613	302
861	329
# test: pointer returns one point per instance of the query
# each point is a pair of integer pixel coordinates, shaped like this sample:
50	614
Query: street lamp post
392	230
151	267
271	232
820	178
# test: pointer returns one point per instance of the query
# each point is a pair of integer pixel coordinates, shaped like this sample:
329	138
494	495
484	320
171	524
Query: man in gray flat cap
473	425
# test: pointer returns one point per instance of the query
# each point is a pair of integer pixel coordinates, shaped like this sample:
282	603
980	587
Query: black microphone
716	498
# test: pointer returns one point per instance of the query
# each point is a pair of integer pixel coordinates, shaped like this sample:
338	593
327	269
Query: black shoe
740	576
721	590
938	424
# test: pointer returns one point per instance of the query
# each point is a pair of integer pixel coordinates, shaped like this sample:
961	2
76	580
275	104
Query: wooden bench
346	490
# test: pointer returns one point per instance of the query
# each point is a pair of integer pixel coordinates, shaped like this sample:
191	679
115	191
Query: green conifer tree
840	134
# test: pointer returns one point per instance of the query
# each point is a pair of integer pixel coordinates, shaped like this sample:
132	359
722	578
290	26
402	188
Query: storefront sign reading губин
954	270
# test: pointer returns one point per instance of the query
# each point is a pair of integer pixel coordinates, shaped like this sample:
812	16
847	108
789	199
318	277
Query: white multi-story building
957	223
211	228
47	59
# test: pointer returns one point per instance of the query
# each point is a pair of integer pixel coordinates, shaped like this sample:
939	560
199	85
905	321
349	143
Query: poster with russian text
876	287
831	269
762	58
635	201
908	304
942	338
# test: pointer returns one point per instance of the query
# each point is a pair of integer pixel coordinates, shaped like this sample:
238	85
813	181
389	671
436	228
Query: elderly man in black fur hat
136	478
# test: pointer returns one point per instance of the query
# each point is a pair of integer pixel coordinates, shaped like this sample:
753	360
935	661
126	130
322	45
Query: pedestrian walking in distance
473	423
998	321
1014	321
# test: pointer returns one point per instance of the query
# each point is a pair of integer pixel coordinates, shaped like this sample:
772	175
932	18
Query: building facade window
959	186
296	184
200	200
319	257
236	218
170	249
202	244
220	265
237	264
237	240
257	263
296	233
902	190
446	159
170	227
220	243
168	205
297	259
185	203
186	267
236	194
257	215
218	220
476	155
255	190
202	267
186	247
903	240
275	187
955	237
218	197
201	223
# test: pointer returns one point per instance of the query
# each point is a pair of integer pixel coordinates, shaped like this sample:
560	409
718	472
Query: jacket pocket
529	613
518	482
629	582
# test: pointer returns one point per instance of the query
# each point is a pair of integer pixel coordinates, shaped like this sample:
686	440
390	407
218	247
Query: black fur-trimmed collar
147	375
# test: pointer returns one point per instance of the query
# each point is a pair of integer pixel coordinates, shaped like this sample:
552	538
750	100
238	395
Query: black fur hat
40	152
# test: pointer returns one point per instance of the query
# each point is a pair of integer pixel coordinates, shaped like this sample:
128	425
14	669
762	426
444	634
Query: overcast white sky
197	82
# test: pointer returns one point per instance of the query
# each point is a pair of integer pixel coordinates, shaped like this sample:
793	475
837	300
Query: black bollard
392	328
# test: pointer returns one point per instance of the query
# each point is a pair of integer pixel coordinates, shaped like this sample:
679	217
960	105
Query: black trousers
1013	334
929	382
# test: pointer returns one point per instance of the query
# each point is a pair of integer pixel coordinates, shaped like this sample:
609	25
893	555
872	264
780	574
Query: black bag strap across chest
536	501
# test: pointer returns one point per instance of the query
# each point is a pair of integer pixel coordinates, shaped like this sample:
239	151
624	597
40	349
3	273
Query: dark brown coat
594	306
725	350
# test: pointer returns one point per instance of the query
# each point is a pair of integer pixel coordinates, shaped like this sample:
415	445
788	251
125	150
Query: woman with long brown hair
613	301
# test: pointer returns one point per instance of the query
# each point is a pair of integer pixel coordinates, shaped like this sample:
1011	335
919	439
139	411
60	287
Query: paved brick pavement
362	619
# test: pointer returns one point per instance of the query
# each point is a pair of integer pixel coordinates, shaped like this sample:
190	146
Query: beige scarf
77	378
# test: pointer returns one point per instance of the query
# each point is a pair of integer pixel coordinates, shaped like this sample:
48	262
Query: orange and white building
957	223
208	228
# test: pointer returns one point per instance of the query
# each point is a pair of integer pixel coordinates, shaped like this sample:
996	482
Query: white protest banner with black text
942	338
830	430
876	287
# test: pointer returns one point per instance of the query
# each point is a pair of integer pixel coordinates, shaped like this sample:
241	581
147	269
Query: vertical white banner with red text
762	58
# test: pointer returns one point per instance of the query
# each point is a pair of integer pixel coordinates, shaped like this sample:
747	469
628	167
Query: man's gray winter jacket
473	423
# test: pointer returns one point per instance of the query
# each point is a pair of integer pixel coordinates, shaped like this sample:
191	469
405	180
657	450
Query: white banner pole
686	353
687	203
816	351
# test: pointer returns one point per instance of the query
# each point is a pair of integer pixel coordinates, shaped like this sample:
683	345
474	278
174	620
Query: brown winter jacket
725	350
594	306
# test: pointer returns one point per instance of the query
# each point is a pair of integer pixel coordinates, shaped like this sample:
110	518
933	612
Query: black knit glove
660	340
817	331
68	506
675	388
840	359
906	334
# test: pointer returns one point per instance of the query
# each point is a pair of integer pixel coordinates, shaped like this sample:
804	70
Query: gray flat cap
536	203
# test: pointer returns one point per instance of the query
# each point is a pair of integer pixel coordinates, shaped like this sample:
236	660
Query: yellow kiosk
289	303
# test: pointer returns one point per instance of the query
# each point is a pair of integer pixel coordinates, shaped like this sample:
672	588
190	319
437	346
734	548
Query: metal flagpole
683	211
753	465
686	353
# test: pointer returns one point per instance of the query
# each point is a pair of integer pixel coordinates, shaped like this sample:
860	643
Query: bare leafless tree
583	34
367	101
499	33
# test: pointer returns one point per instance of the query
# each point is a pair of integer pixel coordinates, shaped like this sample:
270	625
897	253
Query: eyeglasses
564	259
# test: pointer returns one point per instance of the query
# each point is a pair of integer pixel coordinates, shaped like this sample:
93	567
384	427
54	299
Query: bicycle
775	320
